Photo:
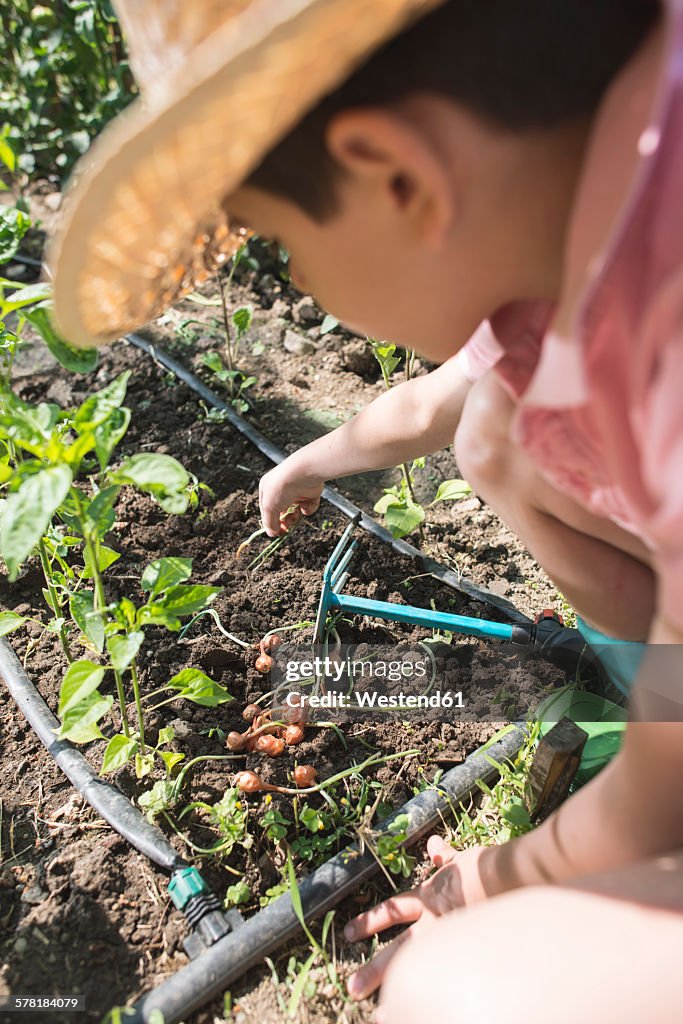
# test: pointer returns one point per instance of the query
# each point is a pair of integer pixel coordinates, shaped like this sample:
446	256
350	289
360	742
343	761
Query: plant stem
180	778
354	770
54	597
138	704
99	604
202	849
125	724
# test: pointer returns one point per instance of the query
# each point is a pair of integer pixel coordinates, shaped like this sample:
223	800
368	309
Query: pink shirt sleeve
480	353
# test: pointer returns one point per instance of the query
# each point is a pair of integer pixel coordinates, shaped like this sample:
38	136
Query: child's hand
283	487
456	884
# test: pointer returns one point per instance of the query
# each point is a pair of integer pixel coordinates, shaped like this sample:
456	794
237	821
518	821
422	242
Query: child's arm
415	418
631	811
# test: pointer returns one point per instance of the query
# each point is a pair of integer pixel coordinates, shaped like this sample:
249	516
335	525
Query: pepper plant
402	512
60	484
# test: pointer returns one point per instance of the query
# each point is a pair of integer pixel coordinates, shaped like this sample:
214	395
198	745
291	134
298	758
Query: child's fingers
270	512
402	909
440	851
369	977
309	507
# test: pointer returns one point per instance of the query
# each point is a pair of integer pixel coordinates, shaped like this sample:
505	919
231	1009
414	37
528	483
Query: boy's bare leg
601	569
603	949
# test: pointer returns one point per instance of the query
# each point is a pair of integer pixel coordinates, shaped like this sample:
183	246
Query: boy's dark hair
519	64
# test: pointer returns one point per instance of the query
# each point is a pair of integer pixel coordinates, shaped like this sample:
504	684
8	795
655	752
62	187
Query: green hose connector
185	884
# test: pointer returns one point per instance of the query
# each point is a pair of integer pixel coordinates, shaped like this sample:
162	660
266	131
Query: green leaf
79	724
27	513
99	513
122	649
105	557
171	759
385	501
403	519
242	318
144	763
451	490
159	475
202	300
13	226
26	296
80	680
165	573
108	435
7	156
119	751
76	360
195	686
161	797
294	892
237	893
182	600
166	735
517	815
99	406
384	354
90	623
29	425
10	621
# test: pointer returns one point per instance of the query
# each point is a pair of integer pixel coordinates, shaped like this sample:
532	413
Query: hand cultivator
548	636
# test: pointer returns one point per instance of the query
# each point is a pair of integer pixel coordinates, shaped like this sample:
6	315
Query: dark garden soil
80	911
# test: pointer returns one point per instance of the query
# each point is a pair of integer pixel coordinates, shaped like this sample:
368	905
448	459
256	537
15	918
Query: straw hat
221	82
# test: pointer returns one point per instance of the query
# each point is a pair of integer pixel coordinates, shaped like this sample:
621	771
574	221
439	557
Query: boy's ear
389	154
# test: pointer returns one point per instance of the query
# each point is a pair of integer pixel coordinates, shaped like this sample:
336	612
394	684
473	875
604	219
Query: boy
516	166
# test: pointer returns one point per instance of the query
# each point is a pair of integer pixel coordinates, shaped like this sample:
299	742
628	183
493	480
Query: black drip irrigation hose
109	802
272	452
220	965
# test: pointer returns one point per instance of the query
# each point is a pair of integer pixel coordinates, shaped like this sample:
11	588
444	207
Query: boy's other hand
456	884
286	487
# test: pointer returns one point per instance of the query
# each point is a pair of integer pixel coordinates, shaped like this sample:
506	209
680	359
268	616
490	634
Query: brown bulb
293	734
270	745
304	775
236	741
249	782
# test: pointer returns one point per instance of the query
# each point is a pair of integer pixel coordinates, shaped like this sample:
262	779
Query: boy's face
364	270
432	233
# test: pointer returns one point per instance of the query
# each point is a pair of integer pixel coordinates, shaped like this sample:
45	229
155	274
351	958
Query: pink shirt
602	415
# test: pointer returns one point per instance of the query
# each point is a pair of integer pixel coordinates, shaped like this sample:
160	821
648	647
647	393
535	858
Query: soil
81	911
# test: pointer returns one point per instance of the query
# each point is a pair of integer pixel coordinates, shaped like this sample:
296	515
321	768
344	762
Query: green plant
237	894
229	817
390	850
503	813
318	948
402	512
60	489
231	329
274	824
64	76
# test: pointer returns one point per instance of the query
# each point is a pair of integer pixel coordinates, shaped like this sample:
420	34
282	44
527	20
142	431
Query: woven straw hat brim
142	223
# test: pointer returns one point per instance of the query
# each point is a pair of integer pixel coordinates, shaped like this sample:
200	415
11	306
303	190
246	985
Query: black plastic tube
210	974
272	452
109	802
